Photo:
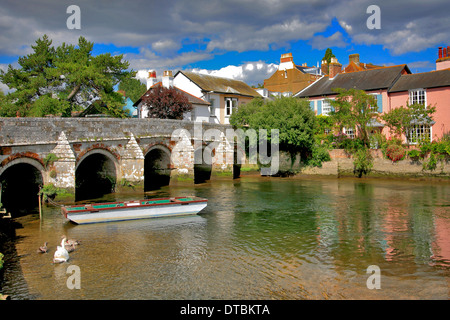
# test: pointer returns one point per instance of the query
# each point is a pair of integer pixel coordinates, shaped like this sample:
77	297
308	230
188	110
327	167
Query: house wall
184	83
438	97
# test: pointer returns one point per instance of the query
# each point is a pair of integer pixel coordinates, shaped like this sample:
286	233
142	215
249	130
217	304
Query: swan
44	248
61	254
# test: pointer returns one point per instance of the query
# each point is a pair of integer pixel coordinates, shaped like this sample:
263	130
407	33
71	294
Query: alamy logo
74	20
374	280
230	148
374	21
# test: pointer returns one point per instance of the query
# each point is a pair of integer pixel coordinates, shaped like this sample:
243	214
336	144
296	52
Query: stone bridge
86	156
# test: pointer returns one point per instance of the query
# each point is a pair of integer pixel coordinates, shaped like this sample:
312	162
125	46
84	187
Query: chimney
167	79
324	67
443	62
286	62
151	80
334	68
354	57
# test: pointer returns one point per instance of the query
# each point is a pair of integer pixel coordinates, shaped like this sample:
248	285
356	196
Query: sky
241	39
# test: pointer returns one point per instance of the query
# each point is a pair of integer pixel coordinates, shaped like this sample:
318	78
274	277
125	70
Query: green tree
328	55
354	109
133	88
292	117
65	78
402	119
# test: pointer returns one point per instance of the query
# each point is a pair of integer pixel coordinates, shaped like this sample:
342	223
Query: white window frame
230	104
414	96
326	103
350	132
420	132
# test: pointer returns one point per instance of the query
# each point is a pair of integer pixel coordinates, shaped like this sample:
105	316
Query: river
259	238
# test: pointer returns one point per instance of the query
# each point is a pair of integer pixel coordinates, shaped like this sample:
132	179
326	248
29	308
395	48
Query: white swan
61	254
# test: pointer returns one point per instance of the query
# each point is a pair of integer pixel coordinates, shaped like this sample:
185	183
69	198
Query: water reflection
259	238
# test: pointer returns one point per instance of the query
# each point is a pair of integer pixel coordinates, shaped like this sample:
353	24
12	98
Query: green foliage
1	260
58	80
362	162
354	109
401	120
320	153
50	159
133	88
414	154
291	116
49	191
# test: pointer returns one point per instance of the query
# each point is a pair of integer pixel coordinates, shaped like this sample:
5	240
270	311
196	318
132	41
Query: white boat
132	210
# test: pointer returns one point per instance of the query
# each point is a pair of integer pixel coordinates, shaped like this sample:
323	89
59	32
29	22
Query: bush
414	154
319	154
395	152
362	162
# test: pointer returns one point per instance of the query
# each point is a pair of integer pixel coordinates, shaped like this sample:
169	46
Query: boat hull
133	210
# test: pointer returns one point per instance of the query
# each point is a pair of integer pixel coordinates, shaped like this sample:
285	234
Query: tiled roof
355	67
424	80
220	85
192	99
381	78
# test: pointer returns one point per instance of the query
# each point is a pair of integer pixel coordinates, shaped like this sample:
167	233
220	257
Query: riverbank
341	165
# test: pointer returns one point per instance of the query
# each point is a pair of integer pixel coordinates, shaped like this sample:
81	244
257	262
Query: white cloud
335	40
251	73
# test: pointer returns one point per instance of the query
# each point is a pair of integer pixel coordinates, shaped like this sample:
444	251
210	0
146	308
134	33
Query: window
420	133
326	107
212	108
350	132
230	105
417	96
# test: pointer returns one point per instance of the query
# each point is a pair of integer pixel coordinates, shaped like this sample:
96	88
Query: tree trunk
74	92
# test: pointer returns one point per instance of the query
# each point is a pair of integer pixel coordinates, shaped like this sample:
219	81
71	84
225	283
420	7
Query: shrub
319	154
395	152
362	162
414	154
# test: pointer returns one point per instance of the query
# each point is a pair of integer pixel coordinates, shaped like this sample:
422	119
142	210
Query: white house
200	107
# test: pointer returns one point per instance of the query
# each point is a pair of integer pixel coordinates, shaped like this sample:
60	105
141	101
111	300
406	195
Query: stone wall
341	164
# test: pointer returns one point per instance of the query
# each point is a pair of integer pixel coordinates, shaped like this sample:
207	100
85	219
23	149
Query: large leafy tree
354	109
292	117
59	80
166	103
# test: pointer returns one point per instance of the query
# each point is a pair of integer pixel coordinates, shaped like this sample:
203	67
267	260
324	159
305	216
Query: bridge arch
157	167
96	173
21	179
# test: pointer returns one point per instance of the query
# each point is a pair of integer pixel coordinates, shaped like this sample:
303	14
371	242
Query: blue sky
243	39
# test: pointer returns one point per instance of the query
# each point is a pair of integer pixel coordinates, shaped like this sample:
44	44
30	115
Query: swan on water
61	254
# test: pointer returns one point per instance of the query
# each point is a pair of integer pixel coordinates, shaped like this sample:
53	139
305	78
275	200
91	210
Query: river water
259	238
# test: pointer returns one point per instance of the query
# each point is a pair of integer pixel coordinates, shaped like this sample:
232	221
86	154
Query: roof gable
192	99
220	85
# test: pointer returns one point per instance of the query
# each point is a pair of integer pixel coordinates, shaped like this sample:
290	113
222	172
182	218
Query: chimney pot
167	79
440	52
444	53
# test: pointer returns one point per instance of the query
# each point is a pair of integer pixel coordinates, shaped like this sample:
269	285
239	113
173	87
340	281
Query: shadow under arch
21	180
95	174
157	167
202	164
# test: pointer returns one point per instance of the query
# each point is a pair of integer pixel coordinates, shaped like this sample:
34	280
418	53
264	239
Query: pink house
393	87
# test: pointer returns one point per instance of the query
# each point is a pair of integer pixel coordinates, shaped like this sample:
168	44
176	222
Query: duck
44	248
69	247
61	254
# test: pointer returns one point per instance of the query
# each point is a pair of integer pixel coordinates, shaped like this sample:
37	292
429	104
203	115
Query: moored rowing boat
131	210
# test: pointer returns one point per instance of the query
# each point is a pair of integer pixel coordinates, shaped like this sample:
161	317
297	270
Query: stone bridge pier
92	156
